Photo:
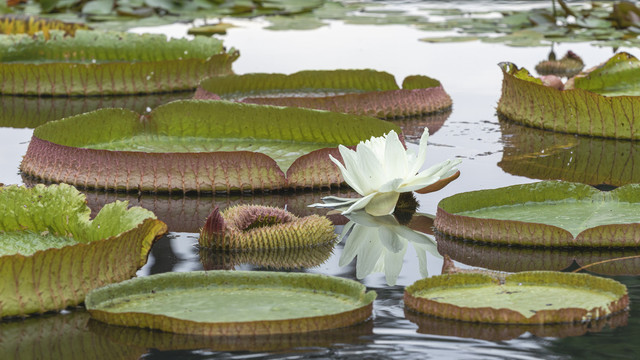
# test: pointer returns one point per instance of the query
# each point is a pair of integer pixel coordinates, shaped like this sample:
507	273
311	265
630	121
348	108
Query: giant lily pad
52	254
602	103
539	154
362	92
547	213
524	298
220	146
103	63
246	303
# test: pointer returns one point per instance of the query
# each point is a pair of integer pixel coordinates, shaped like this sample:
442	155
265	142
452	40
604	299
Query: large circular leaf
547	213
361	92
104	63
524	298
218	147
245	303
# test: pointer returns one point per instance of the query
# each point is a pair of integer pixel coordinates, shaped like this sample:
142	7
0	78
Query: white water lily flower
379	244
380	169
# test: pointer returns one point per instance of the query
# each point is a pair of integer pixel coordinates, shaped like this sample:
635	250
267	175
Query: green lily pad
516	258
52	253
524	298
25	24
362	92
547	213
33	111
578	111
539	154
619	76
220	147
246	303
103	63
208	30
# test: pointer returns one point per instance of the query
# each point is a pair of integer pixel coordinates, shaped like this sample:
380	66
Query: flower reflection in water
380	244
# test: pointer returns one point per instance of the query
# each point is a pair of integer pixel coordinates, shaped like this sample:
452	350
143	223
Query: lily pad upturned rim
56	278
95	302
521	233
58	153
524	99
107	63
508	316
355	91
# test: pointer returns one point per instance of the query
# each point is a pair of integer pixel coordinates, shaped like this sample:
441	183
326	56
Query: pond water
494	154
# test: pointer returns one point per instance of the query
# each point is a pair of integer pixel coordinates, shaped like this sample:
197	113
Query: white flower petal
395	157
382	203
334	202
360	203
421	156
372	174
350	177
391	185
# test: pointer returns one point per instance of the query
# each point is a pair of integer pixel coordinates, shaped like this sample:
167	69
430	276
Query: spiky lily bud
253	227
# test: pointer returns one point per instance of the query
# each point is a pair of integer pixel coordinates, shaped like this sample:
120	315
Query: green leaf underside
234	304
283	152
96	47
28	242
526	299
574	216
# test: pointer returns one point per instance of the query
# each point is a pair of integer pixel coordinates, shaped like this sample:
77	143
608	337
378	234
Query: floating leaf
539	154
52	254
524	298
253	227
449	39
362	92
208	30
547	213
620	75
100	63
246	303
525	100
166	151
23	24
